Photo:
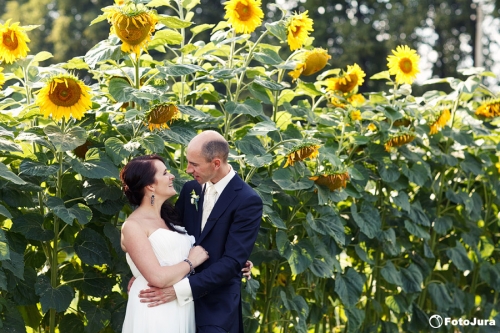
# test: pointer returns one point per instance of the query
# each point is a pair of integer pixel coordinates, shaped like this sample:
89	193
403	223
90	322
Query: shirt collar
221	184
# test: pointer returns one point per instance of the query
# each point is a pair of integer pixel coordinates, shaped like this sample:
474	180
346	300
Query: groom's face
199	167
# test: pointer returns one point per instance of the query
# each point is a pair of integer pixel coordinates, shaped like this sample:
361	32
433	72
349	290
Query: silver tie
208	203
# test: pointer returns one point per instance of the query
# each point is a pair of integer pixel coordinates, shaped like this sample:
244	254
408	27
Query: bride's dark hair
139	173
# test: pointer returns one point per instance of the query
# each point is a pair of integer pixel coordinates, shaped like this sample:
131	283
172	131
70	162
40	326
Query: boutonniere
194	199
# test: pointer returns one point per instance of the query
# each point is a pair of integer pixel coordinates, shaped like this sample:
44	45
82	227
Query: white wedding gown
170	248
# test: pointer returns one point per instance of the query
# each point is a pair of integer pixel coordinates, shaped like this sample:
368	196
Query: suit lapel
229	193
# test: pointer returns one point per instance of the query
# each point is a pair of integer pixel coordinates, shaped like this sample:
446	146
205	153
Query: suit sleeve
239	244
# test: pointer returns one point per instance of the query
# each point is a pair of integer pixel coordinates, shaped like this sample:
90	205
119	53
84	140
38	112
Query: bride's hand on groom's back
156	296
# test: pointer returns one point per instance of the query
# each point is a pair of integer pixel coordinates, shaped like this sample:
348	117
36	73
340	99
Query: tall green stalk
54	266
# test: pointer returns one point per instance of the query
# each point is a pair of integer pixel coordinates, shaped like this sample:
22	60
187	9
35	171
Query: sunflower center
296	31
10	40
65	94
133	30
244	11
405	65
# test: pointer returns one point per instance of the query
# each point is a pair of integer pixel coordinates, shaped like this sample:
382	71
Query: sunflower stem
54	264
247	61
183	42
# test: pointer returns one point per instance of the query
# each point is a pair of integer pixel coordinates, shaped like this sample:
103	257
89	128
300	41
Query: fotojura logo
436	321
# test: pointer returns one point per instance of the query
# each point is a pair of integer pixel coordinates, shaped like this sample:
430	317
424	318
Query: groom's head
207	157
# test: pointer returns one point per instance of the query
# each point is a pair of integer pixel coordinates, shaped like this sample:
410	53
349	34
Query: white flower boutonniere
194	199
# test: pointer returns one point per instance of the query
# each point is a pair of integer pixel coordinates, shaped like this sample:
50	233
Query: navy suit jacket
229	236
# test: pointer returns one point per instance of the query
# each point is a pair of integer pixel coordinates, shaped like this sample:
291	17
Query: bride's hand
197	255
247	270
156	296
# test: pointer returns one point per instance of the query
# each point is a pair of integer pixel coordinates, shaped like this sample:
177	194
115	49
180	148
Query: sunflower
403	64
440	121
298	29
355	115
2	78
161	114
349	81
399	140
134	26
63	96
372	127
301	152
489	109
312	62
244	15
13	41
332	181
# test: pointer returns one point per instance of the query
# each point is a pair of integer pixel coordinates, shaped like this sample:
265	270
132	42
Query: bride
158	249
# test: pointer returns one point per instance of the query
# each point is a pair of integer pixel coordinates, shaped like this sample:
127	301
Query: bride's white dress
170	248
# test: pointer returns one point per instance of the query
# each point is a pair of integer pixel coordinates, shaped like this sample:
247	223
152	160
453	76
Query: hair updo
139	173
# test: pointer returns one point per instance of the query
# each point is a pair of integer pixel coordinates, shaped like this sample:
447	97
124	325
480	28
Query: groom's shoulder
190	185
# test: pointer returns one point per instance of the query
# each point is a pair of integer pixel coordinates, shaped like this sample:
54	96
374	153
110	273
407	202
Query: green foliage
356	236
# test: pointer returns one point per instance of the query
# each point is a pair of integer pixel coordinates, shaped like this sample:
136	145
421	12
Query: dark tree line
360	31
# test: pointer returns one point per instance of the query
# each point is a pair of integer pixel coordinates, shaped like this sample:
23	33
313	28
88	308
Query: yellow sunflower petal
302	152
404	64
244	15
13	42
64	96
161	115
489	108
349	81
299	27
2	78
133	25
332	181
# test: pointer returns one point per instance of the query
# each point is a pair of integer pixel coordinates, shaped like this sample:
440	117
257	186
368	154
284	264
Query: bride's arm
136	241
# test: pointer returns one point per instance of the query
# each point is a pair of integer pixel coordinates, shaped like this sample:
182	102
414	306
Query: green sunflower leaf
6	174
91	248
53	298
166	36
173	22
68	140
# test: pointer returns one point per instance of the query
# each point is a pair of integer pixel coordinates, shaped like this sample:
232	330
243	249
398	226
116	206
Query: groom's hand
156	296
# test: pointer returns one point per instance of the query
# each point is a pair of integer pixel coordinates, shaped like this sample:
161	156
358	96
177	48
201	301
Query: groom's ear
216	162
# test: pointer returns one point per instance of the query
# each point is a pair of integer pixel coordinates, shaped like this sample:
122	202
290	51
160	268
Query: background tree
361	32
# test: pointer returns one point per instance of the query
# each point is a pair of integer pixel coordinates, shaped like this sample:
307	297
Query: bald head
211	145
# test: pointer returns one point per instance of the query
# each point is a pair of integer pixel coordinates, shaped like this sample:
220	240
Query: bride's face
164	181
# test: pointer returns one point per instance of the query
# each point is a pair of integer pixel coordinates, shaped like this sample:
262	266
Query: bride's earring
152	199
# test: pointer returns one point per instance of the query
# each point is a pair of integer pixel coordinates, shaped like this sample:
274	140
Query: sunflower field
381	209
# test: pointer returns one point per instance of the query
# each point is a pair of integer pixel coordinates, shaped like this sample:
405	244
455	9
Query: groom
225	221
